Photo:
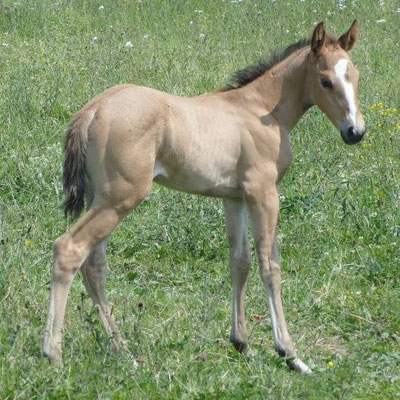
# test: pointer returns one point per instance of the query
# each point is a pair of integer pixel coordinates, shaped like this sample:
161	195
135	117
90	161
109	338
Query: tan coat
232	144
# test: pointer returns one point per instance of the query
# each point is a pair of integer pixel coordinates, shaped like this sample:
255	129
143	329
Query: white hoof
299	366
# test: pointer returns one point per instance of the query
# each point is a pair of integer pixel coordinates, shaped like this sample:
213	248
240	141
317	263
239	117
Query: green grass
168	275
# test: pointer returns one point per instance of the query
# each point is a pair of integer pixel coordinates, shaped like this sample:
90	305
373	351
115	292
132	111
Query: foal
232	144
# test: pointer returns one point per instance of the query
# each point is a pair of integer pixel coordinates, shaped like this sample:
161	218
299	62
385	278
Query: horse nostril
350	132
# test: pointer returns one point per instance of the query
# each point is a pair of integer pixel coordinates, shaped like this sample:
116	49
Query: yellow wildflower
394	110
28	243
398	125
372	106
380	105
330	364
365	144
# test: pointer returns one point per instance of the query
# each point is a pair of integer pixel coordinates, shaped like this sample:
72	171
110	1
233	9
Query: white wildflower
94	39
202	36
101	8
146	36
5	45
128	45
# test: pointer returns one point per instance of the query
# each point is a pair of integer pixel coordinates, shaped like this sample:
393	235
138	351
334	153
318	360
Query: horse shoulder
266	156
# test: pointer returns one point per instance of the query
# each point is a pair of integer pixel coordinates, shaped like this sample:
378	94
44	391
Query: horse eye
326	83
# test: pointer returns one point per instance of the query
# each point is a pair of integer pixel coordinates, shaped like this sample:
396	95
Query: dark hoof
240	346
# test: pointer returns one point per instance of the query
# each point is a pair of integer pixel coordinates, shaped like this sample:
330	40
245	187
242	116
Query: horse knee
241	260
97	255
270	272
240	264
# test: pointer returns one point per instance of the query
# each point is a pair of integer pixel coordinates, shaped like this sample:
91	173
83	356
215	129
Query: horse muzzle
352	135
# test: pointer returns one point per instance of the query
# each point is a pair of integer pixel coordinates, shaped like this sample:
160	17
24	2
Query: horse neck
284	90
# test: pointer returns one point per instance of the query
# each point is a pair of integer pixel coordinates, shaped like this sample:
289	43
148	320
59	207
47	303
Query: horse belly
203	179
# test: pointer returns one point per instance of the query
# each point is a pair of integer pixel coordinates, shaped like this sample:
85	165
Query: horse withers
232	144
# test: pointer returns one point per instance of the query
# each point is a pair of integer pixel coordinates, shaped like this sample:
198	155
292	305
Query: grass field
168	275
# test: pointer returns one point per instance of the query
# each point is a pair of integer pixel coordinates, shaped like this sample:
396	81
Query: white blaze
340	71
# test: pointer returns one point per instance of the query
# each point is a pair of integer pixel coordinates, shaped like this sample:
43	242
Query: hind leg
93	273
70	251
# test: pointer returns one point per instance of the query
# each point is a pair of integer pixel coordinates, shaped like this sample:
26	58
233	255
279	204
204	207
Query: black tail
74	169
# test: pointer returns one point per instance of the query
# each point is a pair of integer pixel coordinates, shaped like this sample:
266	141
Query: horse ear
318	38
348	39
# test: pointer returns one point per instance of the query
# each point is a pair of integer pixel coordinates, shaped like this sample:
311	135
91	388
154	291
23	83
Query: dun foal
232	144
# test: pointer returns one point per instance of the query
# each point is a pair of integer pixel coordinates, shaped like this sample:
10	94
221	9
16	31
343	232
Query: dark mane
246	75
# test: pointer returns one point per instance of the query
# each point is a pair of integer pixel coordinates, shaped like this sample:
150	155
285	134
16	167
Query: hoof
54	355
297	365
239	345
118	344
